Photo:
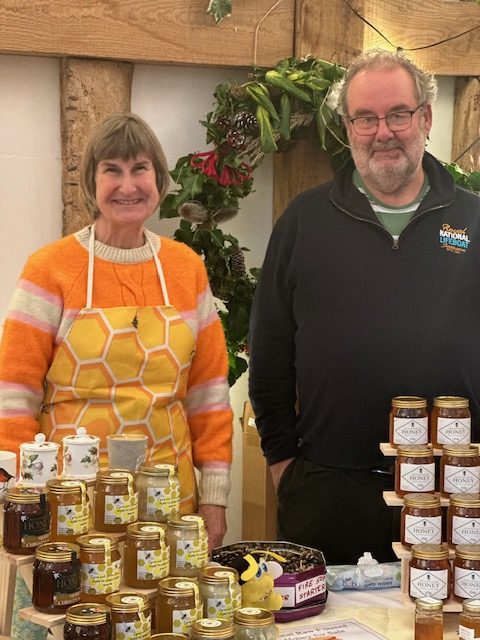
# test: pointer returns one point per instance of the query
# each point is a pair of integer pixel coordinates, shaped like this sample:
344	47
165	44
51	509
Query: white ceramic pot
80	455
38	461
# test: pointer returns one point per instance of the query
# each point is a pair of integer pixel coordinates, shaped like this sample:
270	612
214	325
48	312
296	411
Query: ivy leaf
220	9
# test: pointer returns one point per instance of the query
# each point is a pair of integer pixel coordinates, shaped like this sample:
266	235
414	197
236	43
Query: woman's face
126	190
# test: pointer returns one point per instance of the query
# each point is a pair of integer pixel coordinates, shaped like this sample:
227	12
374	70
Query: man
361	299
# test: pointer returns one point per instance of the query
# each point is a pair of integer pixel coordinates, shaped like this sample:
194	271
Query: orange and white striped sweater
49	294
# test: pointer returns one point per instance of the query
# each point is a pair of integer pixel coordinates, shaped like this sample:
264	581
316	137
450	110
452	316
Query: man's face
387	161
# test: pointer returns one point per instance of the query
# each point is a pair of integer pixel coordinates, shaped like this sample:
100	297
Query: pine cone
245	121
235	138
237	263
193	212
223	123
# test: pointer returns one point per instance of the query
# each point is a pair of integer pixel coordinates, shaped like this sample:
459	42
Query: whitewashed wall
172	100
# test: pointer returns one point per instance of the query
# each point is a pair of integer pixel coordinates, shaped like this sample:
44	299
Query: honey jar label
66	589
72	519
461	479
432	584
465	530
140	629
191	553
410	430
219	608
153	564
163	500
417	477
453	430
423	530
34	530
183	619
466	583
466	633
121	509
100	578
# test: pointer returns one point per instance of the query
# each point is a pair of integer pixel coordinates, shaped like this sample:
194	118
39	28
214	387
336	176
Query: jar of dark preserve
87	621
421	519
463	519
56	577
430	572
414	469
466	572
450	421
408	420
26	521
459	469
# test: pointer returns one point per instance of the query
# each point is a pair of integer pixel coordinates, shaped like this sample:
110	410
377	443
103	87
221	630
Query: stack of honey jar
131	567
440	518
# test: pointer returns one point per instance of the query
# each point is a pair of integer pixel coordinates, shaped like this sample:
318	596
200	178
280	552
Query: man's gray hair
425	83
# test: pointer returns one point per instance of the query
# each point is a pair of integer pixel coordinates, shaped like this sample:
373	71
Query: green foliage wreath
248	121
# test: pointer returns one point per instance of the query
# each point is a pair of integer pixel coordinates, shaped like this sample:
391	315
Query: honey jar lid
461	450
80	437
428	604
253	617
174	586
428	551
216	575
127	602
453	402
60	485
409	402
414	450
472	606
146	530
167	636
39	444
186	522
87	613
114	476
94	542
159	469
468	551
25	495
465	499
212	628
426	500
57	552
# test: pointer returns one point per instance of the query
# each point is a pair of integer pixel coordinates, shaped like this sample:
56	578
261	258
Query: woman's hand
215	523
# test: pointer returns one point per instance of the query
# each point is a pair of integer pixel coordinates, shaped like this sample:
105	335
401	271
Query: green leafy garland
248	121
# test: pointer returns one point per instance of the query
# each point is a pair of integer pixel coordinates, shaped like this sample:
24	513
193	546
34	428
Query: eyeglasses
398	121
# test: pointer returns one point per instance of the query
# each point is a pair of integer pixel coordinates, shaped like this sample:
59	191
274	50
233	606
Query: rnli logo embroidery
454	240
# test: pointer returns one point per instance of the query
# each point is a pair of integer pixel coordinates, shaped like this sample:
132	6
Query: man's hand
277	470
215	523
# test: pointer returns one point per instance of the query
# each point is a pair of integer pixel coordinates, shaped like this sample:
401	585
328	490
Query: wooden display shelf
388	451
392	500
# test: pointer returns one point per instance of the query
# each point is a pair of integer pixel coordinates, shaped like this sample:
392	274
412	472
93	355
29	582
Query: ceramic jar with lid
80	455
38	461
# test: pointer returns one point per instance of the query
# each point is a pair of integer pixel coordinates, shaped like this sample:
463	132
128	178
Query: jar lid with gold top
216	575
427	551
461	450
426	500
454	402
25	495
212	628
173	585
253	617
146	530
428	604
409	402
414	450
88	614
59	485
114	476
187	522
127	602
465	499
159	469
94	543
472	606
167	636
57	551
468	551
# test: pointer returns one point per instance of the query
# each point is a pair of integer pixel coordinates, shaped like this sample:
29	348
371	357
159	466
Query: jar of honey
463	519
408	421
56	577
466	572
167	636
421	519
87	621
158	492
220	592
146	555
26	520
101	567
130	615
188	542
253	623
178	605
414	469
115	500
459	469
469	620
450	421
428	619
70	509
430	572
206	628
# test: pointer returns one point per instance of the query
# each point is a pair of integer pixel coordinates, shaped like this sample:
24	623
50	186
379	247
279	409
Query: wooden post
466	128
89	90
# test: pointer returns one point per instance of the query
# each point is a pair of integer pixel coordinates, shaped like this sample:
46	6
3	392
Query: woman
115	329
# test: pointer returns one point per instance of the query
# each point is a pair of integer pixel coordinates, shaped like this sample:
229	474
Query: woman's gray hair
425	83
125	136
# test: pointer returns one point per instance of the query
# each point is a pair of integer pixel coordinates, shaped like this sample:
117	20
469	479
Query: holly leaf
220	9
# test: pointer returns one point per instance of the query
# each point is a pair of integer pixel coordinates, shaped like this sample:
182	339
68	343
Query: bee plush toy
257	580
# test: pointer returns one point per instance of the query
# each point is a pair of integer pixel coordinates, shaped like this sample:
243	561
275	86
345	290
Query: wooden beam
168	31
466	119
89	90
410	24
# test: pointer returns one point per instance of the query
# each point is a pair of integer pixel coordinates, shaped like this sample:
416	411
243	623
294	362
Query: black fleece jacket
344	318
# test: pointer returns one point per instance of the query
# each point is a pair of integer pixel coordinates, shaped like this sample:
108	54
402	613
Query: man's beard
386	175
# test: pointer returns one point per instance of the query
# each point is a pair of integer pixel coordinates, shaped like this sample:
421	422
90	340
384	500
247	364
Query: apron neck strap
91	262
